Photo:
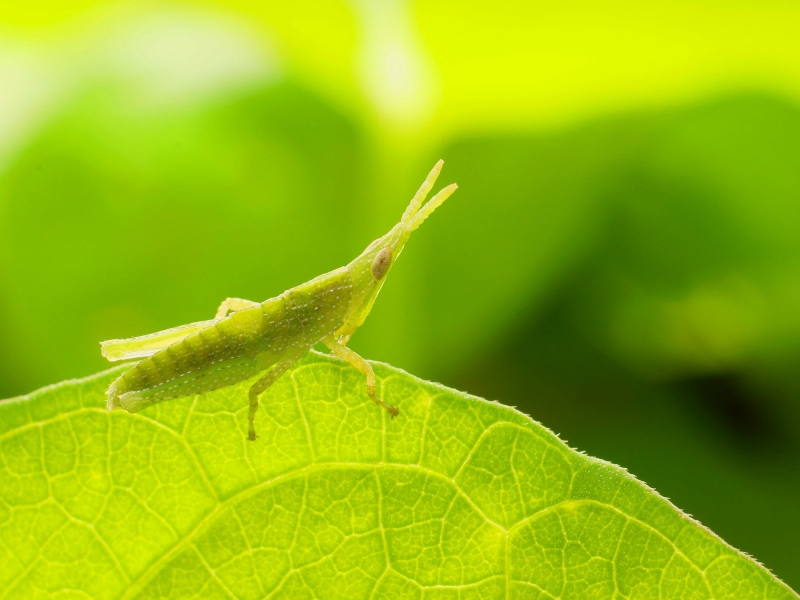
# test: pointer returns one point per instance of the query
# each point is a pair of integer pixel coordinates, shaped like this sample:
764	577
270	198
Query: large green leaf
457	498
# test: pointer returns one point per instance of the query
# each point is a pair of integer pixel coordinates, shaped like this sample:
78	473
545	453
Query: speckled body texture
241	345
267	337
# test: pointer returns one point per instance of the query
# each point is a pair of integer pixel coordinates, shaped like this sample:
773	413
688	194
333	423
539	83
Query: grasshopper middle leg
259	387
362	365
233	304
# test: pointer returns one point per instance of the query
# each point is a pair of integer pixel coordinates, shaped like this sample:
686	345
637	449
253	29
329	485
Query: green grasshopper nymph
268	336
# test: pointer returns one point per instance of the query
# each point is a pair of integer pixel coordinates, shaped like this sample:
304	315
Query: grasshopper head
369	270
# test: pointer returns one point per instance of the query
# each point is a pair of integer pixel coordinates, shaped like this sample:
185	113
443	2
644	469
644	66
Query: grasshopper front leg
345	353
233	305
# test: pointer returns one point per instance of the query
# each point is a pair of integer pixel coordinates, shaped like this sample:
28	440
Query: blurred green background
621	261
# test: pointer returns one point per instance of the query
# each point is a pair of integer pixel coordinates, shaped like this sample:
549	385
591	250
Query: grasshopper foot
389	408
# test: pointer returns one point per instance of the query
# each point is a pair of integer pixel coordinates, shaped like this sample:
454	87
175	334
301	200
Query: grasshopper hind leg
362	365
233	304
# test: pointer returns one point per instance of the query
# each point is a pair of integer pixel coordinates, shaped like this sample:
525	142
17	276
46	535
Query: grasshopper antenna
422	193
431	206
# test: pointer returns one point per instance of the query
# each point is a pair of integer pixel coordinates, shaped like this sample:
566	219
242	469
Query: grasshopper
268	336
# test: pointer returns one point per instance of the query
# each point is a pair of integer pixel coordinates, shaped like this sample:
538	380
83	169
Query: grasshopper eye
381	264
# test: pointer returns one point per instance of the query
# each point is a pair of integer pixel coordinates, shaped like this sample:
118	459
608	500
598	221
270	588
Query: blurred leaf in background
625	241
679	318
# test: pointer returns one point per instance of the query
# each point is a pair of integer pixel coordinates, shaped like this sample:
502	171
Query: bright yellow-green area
456	498
548	63
509	63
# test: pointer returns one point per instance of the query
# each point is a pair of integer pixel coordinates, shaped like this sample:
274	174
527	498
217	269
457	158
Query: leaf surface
456	498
